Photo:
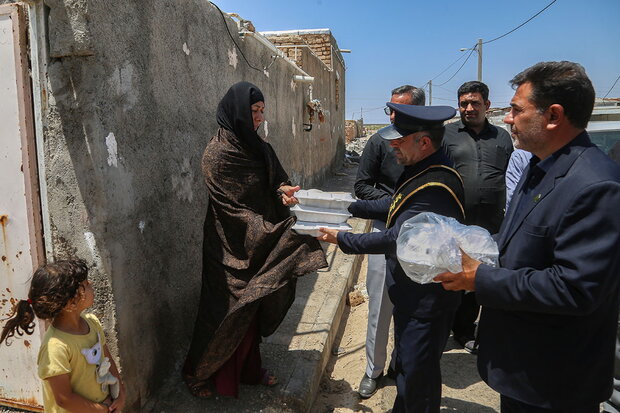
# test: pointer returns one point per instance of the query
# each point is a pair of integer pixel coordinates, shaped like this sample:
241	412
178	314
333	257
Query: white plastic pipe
303	79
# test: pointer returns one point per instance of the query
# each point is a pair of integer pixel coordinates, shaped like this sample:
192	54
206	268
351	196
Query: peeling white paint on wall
266	127
86	139
122	82
293	127
110	142
92	246
232	57
141	226
185	49
182	183
265	72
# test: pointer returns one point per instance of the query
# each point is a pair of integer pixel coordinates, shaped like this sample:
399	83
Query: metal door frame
16	13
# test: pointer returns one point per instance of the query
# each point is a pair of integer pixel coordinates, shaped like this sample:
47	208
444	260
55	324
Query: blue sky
399	42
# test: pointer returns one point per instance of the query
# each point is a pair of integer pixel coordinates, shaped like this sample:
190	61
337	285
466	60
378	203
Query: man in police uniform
377	174
423	314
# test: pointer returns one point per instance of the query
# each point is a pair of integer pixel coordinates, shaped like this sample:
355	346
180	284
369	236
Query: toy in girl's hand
108	382
107	379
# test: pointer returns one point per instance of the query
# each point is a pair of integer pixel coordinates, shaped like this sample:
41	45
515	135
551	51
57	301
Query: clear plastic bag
429	244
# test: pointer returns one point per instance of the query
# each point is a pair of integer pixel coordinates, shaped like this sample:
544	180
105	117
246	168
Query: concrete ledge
318	323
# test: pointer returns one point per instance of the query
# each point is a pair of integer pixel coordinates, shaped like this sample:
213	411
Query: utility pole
430	92
479	47
362	115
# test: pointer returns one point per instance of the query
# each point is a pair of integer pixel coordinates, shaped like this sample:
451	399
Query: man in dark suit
548	325
423	313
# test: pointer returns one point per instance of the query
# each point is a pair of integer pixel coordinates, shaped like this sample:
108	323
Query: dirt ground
463	390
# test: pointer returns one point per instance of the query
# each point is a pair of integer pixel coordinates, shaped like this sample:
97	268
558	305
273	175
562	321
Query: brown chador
251	257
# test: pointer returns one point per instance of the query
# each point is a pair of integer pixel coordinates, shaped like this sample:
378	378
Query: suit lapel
510	213
538	193
515	216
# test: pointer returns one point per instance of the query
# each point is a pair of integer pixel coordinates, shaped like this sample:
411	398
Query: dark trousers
419	345
465	317
508	405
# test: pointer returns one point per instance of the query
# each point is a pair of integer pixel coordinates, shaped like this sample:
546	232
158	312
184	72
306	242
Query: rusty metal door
21	244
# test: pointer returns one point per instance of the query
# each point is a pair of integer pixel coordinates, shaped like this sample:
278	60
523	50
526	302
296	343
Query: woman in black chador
251	257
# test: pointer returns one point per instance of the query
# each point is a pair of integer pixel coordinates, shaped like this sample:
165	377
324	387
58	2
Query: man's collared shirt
481	160
378	170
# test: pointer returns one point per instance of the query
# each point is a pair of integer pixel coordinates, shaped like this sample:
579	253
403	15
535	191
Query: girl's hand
119	403
108	401
288	194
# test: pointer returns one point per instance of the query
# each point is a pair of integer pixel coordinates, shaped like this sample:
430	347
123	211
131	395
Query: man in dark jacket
423	313
548	325
377	174
480	153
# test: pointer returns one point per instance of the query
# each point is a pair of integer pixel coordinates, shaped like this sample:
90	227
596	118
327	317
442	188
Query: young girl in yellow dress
78	372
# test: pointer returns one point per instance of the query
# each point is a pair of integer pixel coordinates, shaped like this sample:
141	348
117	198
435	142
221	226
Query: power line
612	87
233	40
444	88
449	100
489	41
459	69
366	110
521	25
444	71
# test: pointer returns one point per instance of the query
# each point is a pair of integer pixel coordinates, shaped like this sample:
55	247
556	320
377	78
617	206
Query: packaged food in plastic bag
429	244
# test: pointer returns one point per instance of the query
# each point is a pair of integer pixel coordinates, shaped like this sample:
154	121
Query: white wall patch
266	72
141	226
232	57
182	183
266	127
92	246
110	142
122	82
293	85
185	49
294	127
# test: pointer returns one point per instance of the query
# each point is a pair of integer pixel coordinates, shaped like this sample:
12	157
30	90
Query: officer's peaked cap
412	118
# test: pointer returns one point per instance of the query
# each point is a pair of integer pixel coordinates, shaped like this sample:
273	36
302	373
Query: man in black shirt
376	176
480	153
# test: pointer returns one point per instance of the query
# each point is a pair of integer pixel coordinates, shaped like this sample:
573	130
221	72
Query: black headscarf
234	113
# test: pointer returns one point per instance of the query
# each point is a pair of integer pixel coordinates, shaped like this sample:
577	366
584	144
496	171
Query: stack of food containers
318	209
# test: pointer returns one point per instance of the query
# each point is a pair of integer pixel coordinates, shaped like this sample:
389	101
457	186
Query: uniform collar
435	158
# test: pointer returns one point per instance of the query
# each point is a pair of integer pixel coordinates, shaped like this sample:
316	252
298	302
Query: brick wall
320	44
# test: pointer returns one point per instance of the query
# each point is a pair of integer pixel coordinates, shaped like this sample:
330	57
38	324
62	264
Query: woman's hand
329	235
288	194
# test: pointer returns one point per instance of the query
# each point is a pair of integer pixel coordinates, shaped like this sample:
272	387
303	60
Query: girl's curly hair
52	287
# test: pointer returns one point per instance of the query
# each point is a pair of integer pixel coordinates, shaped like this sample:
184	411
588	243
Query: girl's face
86	295
258	113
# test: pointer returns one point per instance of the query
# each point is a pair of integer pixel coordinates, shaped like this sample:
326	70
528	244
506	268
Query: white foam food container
319	199
312	228
314	214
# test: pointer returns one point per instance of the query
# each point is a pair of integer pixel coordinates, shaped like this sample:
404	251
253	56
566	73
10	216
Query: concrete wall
317	52
129	105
